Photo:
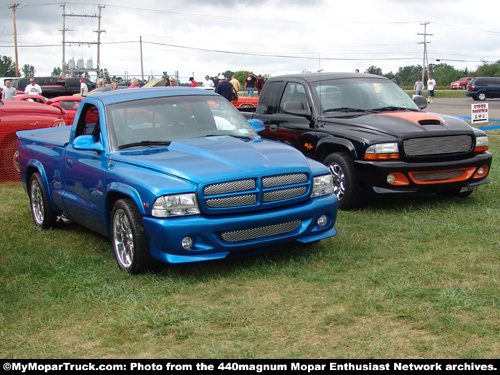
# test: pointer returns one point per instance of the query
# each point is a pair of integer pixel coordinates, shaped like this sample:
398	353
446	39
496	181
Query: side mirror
257	125
295	108
87	143
420	101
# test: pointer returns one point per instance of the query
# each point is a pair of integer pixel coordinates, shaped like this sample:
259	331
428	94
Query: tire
481	96
43	214
341	166
128	238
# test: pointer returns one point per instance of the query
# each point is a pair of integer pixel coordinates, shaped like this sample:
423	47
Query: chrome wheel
37	204
41	210
338	180
123	239
341	166
129	240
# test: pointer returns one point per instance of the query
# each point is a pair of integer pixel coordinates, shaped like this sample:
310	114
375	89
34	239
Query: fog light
322	221
480	171
187	243
391	178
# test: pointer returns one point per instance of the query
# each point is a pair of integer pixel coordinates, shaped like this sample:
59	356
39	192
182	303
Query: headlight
382	151
322	185
175	205
482	144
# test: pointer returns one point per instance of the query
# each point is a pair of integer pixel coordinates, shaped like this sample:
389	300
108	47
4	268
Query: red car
31	98
69	103
18	115
461	84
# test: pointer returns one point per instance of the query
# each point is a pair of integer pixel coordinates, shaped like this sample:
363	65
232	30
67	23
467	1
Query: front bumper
216	237
449	175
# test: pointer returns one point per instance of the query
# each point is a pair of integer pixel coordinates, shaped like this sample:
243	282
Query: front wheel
341	166
128	237
43	214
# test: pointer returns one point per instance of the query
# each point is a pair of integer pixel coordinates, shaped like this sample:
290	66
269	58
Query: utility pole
98	31
13	7
63	6
425	61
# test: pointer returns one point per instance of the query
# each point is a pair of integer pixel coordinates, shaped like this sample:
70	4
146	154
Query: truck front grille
454	144
254	193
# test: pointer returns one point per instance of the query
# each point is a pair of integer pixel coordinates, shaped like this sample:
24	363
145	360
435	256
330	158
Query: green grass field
406	277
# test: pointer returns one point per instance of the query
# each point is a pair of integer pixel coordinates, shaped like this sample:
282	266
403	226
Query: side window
268	100
88	123
294	92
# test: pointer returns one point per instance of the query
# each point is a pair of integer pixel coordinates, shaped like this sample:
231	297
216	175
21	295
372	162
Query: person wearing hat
84	89
208	82
224	88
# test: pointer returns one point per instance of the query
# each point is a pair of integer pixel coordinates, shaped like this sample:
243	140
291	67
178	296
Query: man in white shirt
431	83
33	88
208	82
84	89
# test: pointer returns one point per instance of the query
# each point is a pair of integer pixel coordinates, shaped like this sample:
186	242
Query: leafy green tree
7	67
488	70
28	70
56	71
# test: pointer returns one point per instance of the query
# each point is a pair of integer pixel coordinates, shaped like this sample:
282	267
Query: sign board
479	112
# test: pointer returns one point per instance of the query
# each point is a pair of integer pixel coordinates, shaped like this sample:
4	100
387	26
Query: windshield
360	95
159	121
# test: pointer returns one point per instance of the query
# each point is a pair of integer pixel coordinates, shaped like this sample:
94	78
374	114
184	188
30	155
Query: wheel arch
327	146
119	191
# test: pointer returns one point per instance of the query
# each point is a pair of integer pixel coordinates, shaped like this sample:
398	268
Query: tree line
443	73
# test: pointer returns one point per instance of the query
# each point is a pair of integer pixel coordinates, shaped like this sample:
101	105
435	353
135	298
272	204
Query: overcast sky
267	36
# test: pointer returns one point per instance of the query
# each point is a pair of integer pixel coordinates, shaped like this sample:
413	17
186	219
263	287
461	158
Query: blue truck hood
209	158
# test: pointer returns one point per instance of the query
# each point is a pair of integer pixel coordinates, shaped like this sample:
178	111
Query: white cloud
266	36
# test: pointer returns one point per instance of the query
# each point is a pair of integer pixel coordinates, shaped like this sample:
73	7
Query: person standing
431	83
33	88
134	84
208	82
8	91
250	83
84	89
235	83
260	84
193	82
224	88
418	87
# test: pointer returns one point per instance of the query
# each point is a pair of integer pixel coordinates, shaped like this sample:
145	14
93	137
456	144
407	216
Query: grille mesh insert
261	232
455	144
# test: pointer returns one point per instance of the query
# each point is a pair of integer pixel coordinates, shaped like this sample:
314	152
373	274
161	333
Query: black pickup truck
56	86
372	135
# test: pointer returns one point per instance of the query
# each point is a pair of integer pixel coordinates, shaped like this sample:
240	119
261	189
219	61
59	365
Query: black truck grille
256	192
454	144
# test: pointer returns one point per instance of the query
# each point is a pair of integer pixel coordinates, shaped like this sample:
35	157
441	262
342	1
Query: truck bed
55	136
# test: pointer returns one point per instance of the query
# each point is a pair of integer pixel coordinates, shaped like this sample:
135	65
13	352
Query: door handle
69	163
273	127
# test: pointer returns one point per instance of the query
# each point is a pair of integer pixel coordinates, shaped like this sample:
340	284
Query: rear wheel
43	214
341	166
481	96
128	237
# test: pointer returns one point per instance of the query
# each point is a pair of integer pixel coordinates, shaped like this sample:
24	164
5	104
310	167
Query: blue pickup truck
174	175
